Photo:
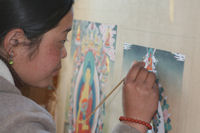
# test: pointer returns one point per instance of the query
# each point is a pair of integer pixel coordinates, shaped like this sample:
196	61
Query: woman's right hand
140	95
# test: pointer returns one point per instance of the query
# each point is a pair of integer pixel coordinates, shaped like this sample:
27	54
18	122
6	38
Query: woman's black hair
34	17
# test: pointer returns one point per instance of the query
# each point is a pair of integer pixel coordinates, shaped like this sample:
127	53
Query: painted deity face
46	63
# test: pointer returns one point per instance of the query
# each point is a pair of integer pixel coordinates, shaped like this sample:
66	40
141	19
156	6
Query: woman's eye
63	41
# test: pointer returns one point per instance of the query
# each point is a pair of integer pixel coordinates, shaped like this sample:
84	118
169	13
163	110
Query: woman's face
46	62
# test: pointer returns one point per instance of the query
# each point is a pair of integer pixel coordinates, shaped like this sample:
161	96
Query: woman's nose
64	52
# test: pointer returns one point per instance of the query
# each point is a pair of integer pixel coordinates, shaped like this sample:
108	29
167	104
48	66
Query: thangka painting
165	65
93	52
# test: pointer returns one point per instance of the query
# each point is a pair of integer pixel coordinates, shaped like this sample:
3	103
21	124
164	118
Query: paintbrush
103	101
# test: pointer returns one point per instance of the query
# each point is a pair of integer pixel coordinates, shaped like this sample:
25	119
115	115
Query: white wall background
172	25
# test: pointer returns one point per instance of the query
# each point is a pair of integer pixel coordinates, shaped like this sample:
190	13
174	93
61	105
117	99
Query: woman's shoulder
17	110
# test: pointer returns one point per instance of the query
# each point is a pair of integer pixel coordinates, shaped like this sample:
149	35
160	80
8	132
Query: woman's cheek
54	52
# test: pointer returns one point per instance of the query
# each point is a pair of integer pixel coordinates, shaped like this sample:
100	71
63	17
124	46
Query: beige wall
147	23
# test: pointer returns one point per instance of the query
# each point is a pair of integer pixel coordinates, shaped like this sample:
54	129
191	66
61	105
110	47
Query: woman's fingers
142	75
133	72
150	80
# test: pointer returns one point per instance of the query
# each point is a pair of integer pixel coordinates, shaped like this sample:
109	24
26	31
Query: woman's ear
13	39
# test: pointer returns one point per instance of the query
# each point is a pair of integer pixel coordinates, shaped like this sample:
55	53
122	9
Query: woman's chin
46	84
